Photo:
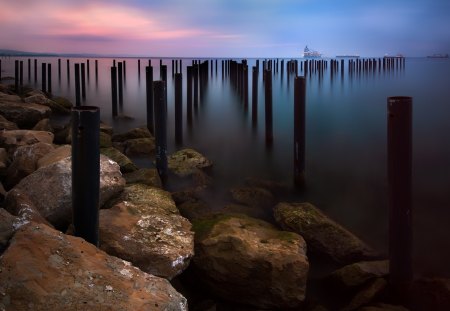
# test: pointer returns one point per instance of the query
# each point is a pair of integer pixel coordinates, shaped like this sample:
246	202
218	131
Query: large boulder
50	188
7	125
126	165
43	125
25	115
323	235
249	261
253	196
139	146
24	162
11	140
140	132
43	269
41	99
146	229
147	176
7	228
56	155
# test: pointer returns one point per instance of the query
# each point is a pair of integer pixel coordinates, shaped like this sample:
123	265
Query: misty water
346	136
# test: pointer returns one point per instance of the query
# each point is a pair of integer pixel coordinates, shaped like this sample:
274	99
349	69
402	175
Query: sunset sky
230	28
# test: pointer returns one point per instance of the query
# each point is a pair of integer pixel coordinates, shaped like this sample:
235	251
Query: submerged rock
4	161
253	196
43	269
249	261
50	188
382	307
323	235
146	229
358	273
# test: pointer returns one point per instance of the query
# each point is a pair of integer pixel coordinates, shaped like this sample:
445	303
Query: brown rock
139	146
105	140
43	125
146	176
251	211
7	125
126	165
323	235
249	261
19	204
194	209
24	162
11	140
55	155
44	269
41	99
275	187
25	115
358	273
56	205
6	228
4	161
253	196
186	161
367	294
140	132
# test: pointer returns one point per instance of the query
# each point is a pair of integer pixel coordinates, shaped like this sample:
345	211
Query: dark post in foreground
86	172
399	192
299	131
159	92
77	86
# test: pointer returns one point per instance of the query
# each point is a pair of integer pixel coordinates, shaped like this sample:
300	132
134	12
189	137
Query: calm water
346	139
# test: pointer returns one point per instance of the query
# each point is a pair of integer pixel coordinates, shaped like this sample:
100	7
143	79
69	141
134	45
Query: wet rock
105	140
126	165
11	140
251	211
194	209
359	273
139	146
367	294
63	102
253	196
323	235
187	161
7	125
275	187
25	115
56	205
6	228
43	125
2	193
140	132
249	261
41	99
4	161
55	155
382	307
107	129
19	204
147	230
431	294
146	176
43	269
61	133
24	162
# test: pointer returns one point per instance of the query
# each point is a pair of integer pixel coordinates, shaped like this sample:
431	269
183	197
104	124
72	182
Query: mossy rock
126	165
105	140
63	102
140	132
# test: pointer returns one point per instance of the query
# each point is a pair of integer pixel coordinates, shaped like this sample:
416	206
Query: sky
226	28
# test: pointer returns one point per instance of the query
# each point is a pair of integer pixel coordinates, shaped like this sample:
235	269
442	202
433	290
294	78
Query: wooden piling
44	77
49	80
149	92
120	82
29	70
178	108
96	70
21	74
399	194
59	68
189	94
68	71
77	86
114	91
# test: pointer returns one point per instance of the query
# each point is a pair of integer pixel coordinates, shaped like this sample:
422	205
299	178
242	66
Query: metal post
49	80
88	68
114	91
68	71
96	69
178	108
254	96
195	86
35	70
21	74
160	128
299	130
29	70
399	193
268	107
139	67
16	76
77	86
44	77
59	68
83	81
86	172
120	83
149	89
189	94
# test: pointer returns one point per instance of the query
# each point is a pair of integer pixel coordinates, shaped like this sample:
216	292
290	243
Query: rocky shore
173	248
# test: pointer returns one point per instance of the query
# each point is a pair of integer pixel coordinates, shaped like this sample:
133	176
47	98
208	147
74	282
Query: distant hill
4	52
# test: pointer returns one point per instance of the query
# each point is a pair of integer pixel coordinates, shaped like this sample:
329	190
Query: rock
251	211
359	273
139	146
382	307
25	115
2	193
431	294
4	161
249	261
11	140
4	97
63	102
19	204
105	140
62	134
7	125
43	125
107	129
323	235
140	132
43	269
126	165
367	294
41	99
274	187
186	161
55	155
253	196
56	205
24	162
6	229
146	229
146	176
194	209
